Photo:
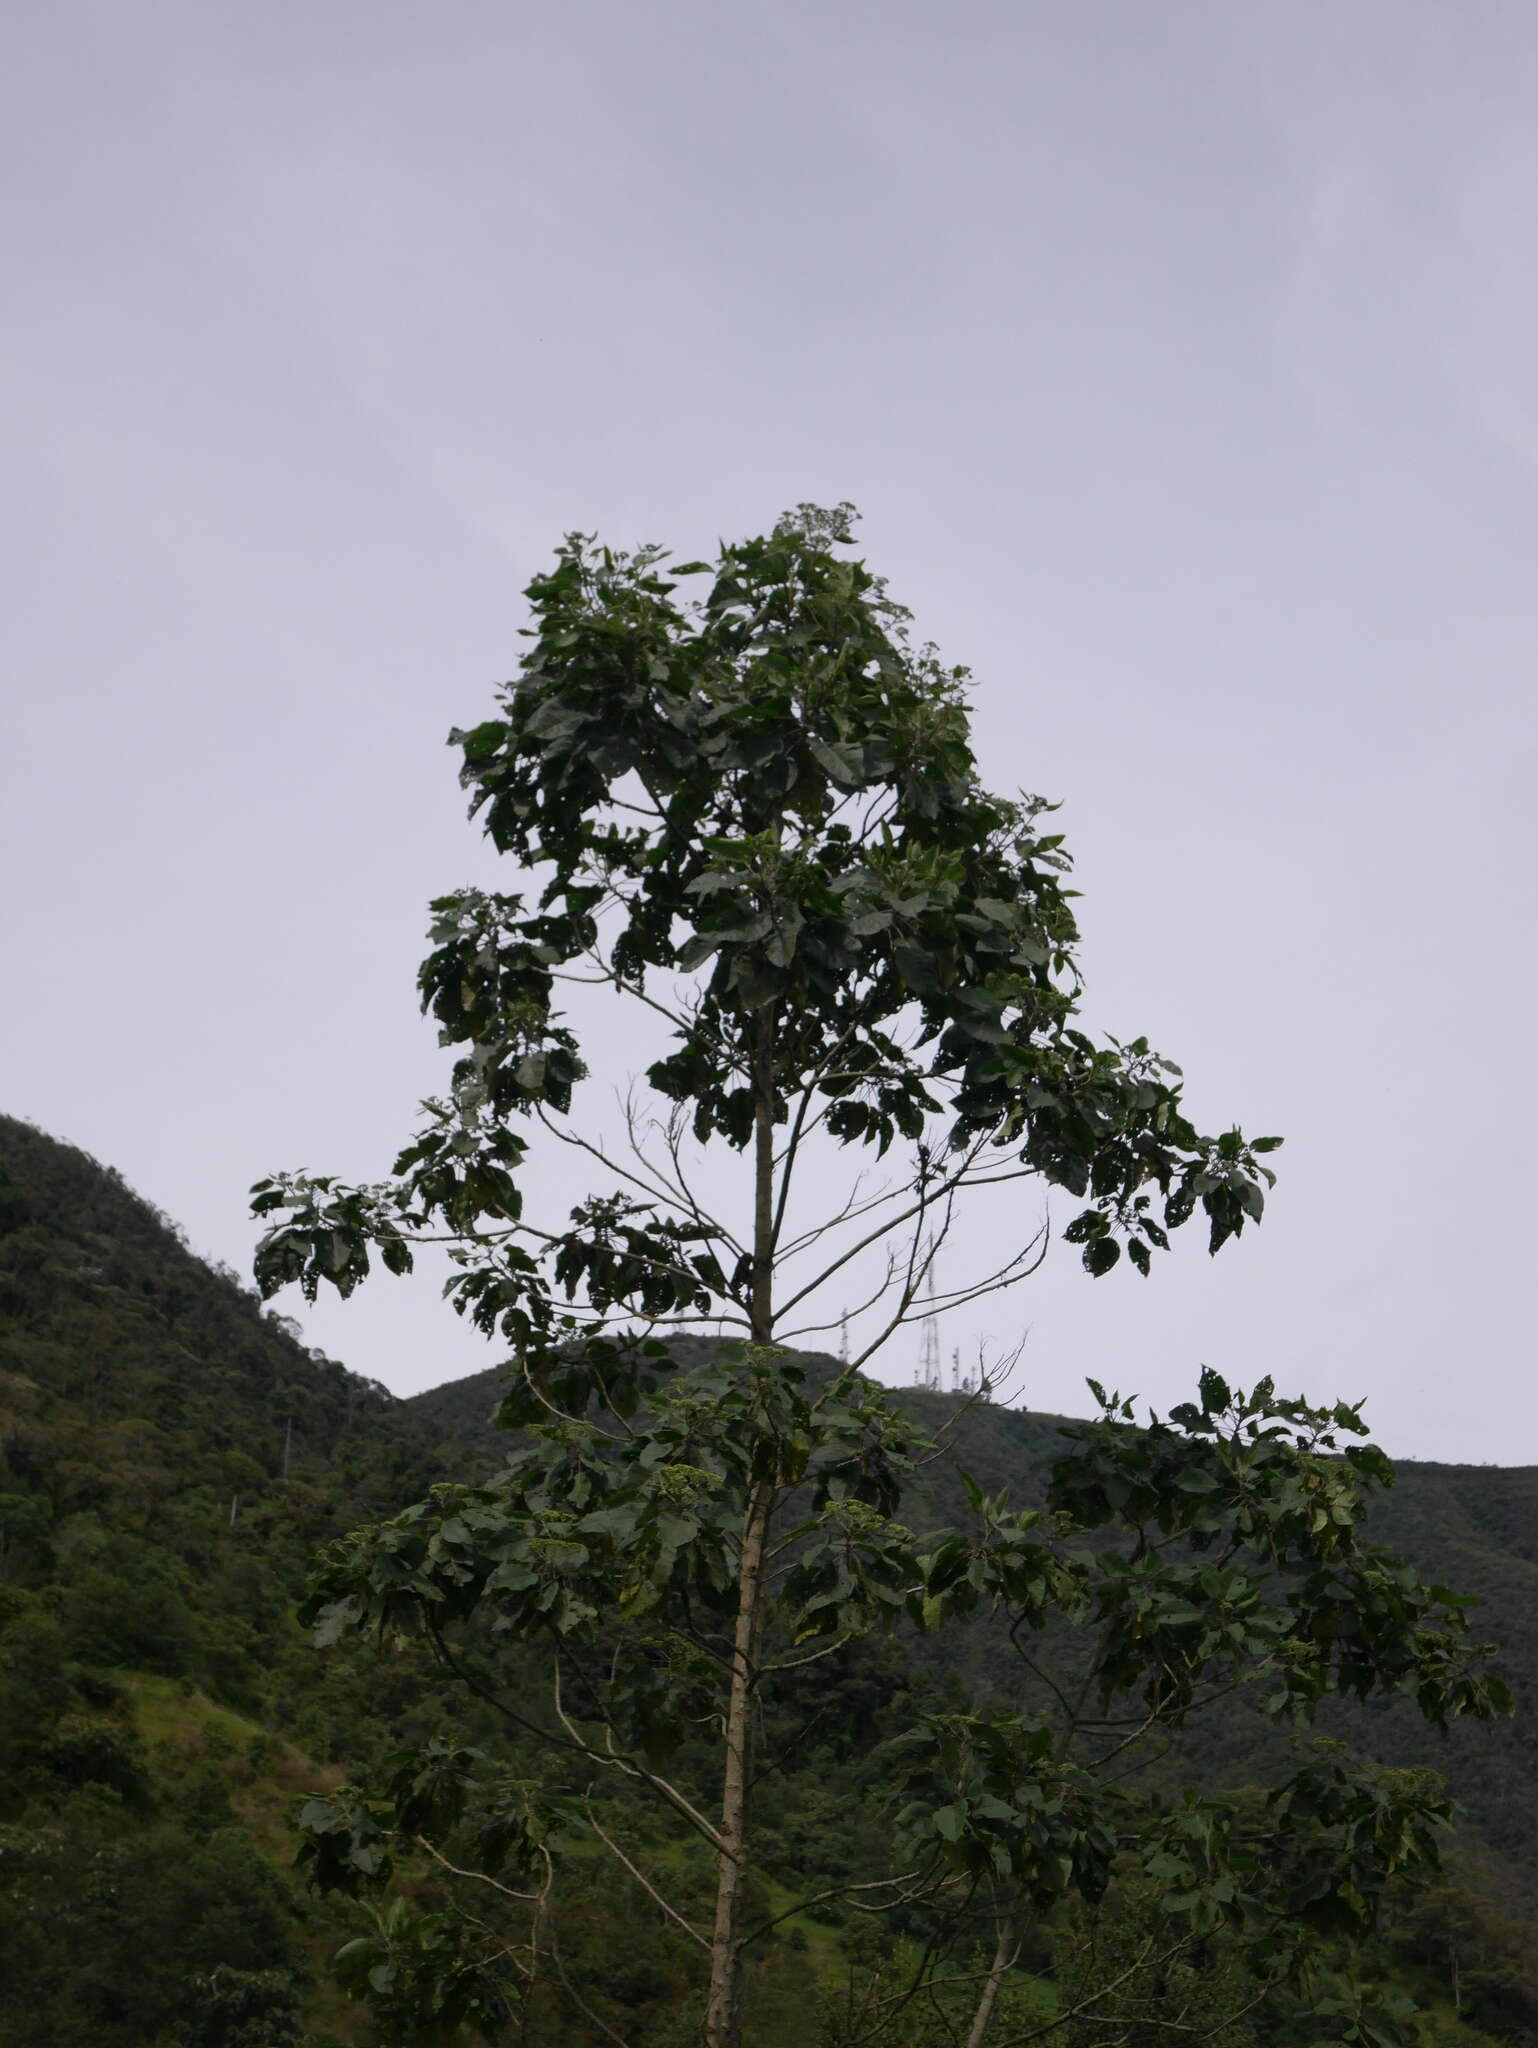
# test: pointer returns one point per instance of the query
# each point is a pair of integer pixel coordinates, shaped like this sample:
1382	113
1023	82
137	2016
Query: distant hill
1471	1527
172	1457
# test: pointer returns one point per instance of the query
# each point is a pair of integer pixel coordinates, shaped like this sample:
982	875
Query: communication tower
928	1374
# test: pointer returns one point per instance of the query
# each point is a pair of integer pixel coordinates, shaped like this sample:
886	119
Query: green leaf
337	1619
1214	1392
842	763
1196	1481
948	1822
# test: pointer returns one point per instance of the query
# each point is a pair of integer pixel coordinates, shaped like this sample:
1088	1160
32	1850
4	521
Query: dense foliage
146	1839
1470	1526
170	1456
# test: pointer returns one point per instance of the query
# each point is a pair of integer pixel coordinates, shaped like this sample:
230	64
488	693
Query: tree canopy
756	817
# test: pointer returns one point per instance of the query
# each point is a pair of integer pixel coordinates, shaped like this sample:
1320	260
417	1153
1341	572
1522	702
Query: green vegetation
119	1784
170	1457
756	817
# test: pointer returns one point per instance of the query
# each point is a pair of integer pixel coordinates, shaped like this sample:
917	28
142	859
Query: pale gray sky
1181	358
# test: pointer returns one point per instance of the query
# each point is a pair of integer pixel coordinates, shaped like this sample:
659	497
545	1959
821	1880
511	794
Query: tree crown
758	814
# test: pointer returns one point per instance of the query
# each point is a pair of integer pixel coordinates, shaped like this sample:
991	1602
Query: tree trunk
1005	1951
723	2009
723	2012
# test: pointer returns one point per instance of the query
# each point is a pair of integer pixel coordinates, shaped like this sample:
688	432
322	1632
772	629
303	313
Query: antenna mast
928	1375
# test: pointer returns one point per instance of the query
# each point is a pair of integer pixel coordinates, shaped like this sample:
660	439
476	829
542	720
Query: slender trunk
723	2010
1005	1951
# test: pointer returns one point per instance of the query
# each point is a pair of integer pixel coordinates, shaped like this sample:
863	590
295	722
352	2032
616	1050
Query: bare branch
1030	1662
918	1270
811	1657
892	1191
673	1138
476	1876
645	1882
610	1759
839	1891
918	1208
987	1385
687	1025
681	1195
658	1191
1087	2004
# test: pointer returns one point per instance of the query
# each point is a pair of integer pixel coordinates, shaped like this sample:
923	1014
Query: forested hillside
1471	1527
171	1458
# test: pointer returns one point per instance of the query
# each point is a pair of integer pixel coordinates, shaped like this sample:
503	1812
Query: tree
756	819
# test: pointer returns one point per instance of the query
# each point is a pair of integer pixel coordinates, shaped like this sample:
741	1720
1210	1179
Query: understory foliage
756	819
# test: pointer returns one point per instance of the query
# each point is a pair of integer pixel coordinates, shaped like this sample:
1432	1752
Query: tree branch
645	1882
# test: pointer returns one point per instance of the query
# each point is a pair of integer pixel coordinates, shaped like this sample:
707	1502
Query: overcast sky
1181	359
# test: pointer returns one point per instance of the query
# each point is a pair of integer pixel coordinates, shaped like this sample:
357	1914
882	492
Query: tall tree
756	818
